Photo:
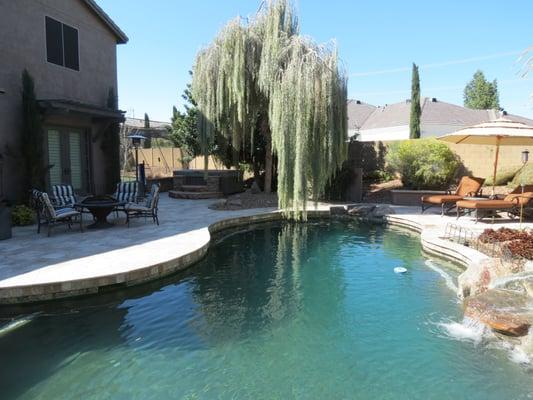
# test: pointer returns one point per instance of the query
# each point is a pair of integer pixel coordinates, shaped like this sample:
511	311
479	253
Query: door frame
85	156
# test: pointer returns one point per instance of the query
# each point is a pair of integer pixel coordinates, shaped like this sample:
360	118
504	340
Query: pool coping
430	236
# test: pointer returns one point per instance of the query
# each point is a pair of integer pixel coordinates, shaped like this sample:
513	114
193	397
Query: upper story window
62	44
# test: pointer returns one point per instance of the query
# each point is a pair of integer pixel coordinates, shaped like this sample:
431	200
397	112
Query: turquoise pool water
310	311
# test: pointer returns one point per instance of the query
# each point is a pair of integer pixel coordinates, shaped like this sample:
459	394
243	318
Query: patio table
100	207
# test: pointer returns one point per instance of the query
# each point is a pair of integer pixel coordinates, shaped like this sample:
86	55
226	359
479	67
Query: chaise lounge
468	186
513	204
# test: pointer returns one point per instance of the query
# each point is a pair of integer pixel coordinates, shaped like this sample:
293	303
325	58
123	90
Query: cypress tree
110	145
148	140
414	120
32	137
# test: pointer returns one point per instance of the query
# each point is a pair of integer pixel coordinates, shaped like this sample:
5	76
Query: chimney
357	101
433	99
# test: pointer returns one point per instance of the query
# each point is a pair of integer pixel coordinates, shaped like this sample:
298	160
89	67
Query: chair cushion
486	204
136	207
127	191
63	195
520	199
66	213
441	198
469	186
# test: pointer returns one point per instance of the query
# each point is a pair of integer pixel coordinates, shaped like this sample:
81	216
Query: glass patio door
65	157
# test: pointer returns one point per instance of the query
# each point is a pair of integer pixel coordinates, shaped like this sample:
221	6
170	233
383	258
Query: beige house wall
23	46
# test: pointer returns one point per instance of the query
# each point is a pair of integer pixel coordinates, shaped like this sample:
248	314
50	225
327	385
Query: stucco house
369	123
69	48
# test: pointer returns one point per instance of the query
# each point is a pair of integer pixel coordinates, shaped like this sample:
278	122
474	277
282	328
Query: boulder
337	210
255	188
506	312
382	211
361	210
481	275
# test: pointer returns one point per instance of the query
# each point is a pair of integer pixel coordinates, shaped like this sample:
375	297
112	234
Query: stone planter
5	222
411	197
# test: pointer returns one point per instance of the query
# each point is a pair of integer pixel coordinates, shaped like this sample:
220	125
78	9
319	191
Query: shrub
22	215
423	163
524	175
503	176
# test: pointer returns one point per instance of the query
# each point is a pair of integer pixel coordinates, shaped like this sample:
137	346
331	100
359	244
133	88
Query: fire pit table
100	207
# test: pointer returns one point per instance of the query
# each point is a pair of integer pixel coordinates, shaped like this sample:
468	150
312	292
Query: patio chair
35	203
468	186
148	209
53	216
63	196
514	203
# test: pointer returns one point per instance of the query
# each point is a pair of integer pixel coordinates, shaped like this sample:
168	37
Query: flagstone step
194	188
178	194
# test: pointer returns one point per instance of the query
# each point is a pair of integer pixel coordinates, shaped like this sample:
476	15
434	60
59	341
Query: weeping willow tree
262	73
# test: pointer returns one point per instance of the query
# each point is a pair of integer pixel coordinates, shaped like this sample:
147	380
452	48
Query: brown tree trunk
265	130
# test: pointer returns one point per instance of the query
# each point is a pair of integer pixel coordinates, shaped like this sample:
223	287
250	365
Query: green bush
423	163
524	175
22	215
503	176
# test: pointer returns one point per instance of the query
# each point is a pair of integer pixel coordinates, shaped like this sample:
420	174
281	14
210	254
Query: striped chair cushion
63	195
127	191
47	206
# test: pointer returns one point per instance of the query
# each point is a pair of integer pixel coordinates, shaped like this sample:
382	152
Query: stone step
178	194
194	188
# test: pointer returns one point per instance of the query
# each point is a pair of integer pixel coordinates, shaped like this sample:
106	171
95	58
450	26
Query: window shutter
70	40
54	41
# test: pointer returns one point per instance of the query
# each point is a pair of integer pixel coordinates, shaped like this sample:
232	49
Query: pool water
308	311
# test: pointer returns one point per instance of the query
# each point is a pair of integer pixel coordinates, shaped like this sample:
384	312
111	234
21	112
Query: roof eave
122	38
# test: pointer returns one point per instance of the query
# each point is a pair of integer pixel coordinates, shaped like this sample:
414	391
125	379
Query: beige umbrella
500	132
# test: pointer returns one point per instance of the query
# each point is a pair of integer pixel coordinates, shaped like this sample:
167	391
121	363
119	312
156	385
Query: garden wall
477	159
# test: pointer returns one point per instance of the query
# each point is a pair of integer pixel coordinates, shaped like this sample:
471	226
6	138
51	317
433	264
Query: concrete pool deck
70	263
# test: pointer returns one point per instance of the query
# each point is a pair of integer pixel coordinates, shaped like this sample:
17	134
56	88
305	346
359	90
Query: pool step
178	194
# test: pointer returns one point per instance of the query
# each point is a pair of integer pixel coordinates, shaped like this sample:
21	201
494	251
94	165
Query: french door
67	157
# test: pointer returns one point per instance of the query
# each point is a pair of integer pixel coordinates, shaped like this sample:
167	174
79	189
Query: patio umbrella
500	132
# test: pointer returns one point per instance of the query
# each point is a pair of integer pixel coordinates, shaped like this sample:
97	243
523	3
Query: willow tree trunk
265	131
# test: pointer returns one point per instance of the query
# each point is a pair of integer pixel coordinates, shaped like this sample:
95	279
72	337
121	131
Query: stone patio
36	267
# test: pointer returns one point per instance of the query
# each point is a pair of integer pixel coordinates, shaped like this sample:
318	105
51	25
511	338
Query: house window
62	44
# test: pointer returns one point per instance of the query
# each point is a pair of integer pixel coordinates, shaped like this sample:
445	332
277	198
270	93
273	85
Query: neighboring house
391	122
69	48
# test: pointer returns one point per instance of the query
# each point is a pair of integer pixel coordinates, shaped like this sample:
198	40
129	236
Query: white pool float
400	270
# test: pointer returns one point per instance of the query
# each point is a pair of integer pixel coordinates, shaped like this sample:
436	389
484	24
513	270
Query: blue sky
377	40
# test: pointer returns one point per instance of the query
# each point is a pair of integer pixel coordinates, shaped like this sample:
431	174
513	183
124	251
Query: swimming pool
312	311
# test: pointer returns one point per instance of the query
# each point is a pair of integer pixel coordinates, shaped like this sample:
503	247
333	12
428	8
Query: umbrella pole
496	164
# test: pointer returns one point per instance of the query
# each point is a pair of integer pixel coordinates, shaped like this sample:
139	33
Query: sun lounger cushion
127	191
63	195
486	204
441	198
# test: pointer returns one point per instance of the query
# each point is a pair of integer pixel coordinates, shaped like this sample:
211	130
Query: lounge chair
513	204
53	216
148	209
468	186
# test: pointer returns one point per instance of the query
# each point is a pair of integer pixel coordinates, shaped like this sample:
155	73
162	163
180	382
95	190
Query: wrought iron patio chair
148	209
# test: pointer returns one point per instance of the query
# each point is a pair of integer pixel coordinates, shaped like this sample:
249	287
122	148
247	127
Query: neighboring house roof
121	36
362	116
139	123
358	112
